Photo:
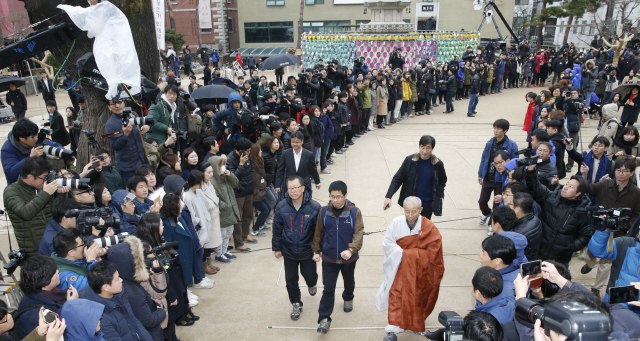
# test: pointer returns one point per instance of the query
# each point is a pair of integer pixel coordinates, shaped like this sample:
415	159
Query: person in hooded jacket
610	117
83	320
234	104
224	182
129	259
18	102
631	108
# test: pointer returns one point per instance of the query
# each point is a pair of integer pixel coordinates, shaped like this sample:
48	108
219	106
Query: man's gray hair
412	201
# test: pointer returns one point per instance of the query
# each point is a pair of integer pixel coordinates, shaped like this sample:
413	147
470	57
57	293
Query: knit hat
173	184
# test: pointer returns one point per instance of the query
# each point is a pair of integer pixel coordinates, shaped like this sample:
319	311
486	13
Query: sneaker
324	326
222	259
191	295
205	283
325	172
332	155
258	233
313	290
265	227
585	269
390	337
339	152
330	162
348	306
295	313
490	232
483	219
230	256
411	116
193	303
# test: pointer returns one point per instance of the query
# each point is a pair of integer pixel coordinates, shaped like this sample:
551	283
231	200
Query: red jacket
239	58
528	117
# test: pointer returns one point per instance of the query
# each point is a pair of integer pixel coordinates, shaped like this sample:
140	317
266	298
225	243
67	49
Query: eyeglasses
623	171
294	188
87	191
83	244
339	197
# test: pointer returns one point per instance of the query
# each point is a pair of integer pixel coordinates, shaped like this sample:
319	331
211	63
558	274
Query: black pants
187	70
279	80
427	211
329	278
308	271
349	135
379	119
485	195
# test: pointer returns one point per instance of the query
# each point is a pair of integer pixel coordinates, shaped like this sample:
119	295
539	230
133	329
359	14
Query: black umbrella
6	80
211	94
219	80
278	61
625	89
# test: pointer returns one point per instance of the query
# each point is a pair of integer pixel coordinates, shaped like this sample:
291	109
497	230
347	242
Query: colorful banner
204	14
437	47
158	18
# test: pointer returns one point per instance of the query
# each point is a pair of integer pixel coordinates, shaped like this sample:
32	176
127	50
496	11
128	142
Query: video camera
105	241
15	259
165	259
529	158
453	325
574	320
302	76
86	219
614	219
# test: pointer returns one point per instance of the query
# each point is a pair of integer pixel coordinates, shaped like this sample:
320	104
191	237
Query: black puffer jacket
246	181
318	131
270	164
530	226
565	229
407	177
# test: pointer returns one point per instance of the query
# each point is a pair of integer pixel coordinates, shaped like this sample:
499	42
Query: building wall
186	19
453	15
13	17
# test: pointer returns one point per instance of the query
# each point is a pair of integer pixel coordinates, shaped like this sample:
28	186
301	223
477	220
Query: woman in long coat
223	182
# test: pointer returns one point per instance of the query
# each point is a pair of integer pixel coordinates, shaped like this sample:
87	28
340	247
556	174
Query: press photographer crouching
125	140
581	313
28	203
74	258
58	222
27	140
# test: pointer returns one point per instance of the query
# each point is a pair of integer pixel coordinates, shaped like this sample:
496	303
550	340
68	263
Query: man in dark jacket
207	75
46	88
297	161
297	212
396	61
557	66
527	223
241	165
589	76
421	175
573	106
73	258
308	87
337	241
125	141
474	89
15	98
118	320
326	85
58	222
129	259
556	138
565	228
430	24
59	133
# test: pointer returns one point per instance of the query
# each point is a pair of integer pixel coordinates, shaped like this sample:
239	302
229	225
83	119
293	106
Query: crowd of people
100	239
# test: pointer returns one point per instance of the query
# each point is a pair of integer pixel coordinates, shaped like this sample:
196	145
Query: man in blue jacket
251	62
488	177
234	104
118	321
294	226
57	223
491	297
19	146
337	241
70	251
500	72
499	252
126	141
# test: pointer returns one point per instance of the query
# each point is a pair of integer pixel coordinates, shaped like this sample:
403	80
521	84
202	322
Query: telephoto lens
140	121
111	240
52	152
73	183
529	310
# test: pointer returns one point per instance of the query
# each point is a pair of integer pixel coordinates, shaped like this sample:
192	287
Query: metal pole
35	89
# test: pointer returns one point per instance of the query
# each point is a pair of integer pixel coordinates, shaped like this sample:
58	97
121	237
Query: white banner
204	11
158	18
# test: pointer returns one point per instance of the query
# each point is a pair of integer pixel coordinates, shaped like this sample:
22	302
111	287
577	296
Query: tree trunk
96	113
608	29
567	29
172	20
540	27
300	25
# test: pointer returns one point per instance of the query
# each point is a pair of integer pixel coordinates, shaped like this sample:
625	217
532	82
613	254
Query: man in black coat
421	175
241	165
297	161
557	66
430	24
46	88
527	223
396	61
17	101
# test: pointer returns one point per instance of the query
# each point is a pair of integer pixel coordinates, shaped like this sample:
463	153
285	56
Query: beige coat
383	98
215	237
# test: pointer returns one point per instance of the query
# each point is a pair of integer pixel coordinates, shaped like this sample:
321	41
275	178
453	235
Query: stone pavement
249	300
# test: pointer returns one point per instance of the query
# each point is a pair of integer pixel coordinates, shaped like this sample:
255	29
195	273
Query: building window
268	32
230	25
275	2
582	29
592	29
575	28
326	26
522	2
314	2
408	21
205	30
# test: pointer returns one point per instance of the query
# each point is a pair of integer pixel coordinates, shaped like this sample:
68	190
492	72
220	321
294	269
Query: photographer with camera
287	104
573	109
28	203
125	140
169	116
22	143
326	85
58	222
307	87
336	73
74	258
565	229
595	164
396	61
109	175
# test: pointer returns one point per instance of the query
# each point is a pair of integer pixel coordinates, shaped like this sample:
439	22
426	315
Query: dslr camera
614	219
139	121
166	259
15	259
574	320
51	151
105	241
86	219
302	77
81	183
453	325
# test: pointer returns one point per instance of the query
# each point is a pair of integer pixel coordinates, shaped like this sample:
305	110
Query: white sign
158	18
204	11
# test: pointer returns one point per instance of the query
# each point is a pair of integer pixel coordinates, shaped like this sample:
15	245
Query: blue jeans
473	102
198	269
316	153
587	98
323	154
498	86
264	213
434	97
403	108
448	98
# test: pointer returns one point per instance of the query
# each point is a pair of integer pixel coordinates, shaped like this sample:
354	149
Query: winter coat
287	222
414	91
531	227
59	132
213	204
345	117
128	149
406	91
224	186
407	177
527	68
393	96
112	179
13	156
199	209
546	172
374	102
260	190
29	319
244	173
328	127
180	232
509	145
128	222
610	123
161	113
251	61
157	289
559	64
82	318
565	228
557	140
29	211
129	258
18	99
451	83
118	321
46	243
382	100
609	196
474	87
589	77
572	115
318	131
270	163
334	235
630	112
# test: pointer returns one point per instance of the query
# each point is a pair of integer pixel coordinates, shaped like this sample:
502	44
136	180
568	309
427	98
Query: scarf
627	145
171	105
56	295
19	146
141	207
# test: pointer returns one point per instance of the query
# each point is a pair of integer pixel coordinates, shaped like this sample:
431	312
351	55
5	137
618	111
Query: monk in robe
413	267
